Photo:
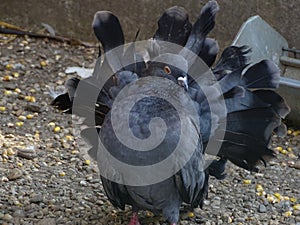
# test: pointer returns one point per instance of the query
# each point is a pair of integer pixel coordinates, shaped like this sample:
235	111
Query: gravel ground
44	179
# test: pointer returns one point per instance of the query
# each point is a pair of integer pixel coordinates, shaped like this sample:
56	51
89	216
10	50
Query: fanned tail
254	110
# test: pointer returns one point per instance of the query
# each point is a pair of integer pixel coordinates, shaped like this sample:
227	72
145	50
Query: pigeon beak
183	82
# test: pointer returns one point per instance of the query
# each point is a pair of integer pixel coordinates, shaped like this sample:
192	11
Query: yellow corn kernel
285	198
8	66
288	213
16	74
293	200
56	129
17	203
74	152
87	162
259	193
51	124
289	149
69	137
22	118
279	148
57	57
43	63
29	116
289	131
17	90
37	135
284	152
247	182
271	199
7	78
259	188
191	214
7	92
19	164
30	98
229	220
296	132
296	207
2	108
19	124
278	196
62	174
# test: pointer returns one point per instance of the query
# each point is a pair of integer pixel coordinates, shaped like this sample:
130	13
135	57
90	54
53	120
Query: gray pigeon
253	112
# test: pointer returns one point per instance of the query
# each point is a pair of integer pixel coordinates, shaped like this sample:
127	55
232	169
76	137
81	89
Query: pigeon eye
167	70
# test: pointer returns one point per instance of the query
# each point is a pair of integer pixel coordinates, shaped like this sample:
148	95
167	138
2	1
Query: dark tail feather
209	51
204	24
281	130
258	122
217	168
247	136
244	150
108	31
232	58
278	103
243	99
174	26
264	74
65	101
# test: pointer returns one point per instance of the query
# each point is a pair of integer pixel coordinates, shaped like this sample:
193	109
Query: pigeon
242	126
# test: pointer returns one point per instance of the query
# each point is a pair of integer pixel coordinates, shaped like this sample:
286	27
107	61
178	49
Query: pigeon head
171	66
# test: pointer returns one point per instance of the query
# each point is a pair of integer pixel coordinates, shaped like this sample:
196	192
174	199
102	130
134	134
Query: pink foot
134	219
173	223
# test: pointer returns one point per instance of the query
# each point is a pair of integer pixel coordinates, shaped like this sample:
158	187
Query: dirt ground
44	179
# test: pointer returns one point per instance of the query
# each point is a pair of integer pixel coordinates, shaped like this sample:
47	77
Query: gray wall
73	18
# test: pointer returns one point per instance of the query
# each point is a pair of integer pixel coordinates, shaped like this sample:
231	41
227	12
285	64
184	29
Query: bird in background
251	111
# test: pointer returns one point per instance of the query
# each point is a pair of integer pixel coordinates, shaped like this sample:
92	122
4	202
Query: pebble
37	198
19	213
14	174
262	208
27	153
33	107
216	202
46	221
7	217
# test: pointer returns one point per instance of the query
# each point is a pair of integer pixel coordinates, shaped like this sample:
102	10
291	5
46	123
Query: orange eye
167	70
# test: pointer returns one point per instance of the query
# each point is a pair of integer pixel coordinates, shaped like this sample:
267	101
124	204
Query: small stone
46	221
83	183
262	208
10	86
19	213
7	217
33	107
27	153
216	202
36	198
14	174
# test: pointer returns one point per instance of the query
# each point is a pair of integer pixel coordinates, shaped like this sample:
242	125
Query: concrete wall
73	18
